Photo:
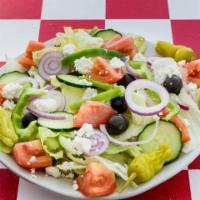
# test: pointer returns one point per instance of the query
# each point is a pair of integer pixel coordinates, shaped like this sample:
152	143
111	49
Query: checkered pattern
172	20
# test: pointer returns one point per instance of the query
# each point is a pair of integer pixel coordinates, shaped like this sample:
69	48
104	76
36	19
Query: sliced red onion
49	87
99	143
45	115
132	72
183	106
50	64
58	97
122	143
142	84
28	80
53	94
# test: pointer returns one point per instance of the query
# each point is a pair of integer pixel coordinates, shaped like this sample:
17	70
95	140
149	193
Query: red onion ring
53	94
45	115
28	80
142	84
122	143
100	143
50	64
132	72
183	106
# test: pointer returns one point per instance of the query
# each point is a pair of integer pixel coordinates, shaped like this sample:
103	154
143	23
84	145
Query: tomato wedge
26	59
122	44
94	113
105	73
97	181
181	125
193	72
23	152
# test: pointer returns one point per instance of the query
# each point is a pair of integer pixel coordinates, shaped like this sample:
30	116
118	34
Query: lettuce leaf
50	143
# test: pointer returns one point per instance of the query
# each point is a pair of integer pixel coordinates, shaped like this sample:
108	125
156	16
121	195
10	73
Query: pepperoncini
178	52
146	165
8	136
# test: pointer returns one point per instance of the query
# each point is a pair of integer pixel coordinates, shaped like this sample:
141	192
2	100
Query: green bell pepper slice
103	96
29	132
141	68
108	54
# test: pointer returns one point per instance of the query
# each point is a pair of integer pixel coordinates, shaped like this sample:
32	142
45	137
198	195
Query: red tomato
193	72
97	181
23	152
94	113
125	45
104	73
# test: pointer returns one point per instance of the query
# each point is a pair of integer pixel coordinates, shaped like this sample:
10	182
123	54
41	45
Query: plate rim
186	160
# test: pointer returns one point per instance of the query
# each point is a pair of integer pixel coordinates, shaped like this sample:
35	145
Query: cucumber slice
108	54
12	77
106	34
167	133
74	81
58	125
82	82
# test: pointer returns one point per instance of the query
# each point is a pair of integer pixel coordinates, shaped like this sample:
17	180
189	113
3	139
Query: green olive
185	53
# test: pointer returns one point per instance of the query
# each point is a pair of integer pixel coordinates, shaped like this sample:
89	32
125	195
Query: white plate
64	186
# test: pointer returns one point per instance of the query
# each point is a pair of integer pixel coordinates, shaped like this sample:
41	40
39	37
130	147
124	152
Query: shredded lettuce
50	142
120	169
79	37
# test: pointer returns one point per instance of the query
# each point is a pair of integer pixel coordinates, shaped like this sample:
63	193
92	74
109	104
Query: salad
91	107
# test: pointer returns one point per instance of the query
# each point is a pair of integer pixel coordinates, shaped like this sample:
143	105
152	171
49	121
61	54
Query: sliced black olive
117	124
173	84
125	80
119	104
27	119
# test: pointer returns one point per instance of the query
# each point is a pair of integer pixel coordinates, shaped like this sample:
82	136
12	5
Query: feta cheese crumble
116	63
8	104
89	93
53	171
69	48
75	185
164	67
82	145
11	90
83	65
192	86
46	105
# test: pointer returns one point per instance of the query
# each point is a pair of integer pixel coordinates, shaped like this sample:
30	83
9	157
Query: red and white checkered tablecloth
172	20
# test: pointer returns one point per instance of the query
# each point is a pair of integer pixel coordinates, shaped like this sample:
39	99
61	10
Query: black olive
119	104
126	80
27	119
117	124
173	84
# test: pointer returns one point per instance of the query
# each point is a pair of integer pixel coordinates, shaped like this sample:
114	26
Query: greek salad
91	107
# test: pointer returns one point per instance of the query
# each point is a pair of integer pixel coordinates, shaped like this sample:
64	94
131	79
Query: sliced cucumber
167	133
106	34
12	76
82	82
74	81
58	125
